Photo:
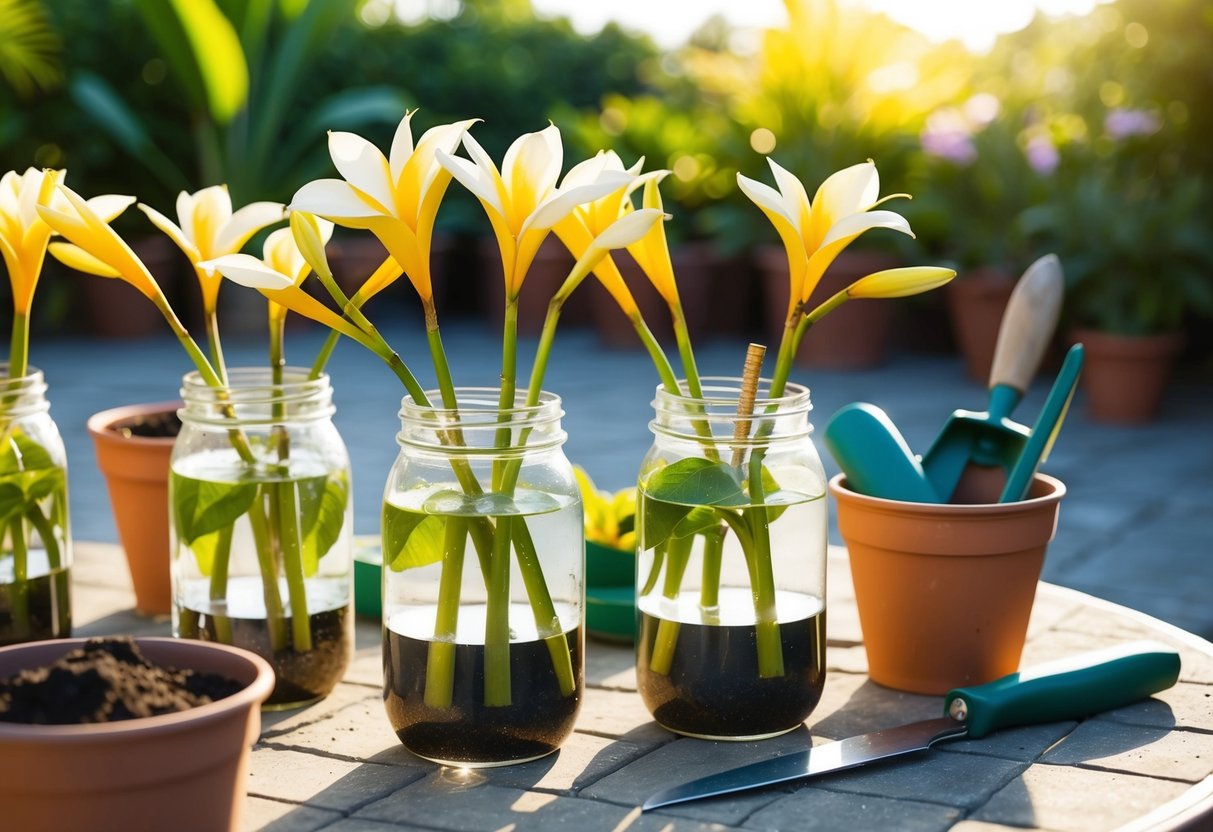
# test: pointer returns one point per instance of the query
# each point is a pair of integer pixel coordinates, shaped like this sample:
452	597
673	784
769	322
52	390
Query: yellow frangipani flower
814	233
652	252
587	221
395	197
899	283
24	235
277	277
207	228
522	200
93	246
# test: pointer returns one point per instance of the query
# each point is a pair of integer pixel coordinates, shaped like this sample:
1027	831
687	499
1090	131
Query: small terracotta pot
1124	377
852	337
945	591
976	302
136	473
182	771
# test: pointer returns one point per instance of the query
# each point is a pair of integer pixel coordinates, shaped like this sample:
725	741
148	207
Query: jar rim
252	394
479	421
24	395
727	390
478	401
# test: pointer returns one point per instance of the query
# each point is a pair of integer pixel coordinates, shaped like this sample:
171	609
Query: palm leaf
29	47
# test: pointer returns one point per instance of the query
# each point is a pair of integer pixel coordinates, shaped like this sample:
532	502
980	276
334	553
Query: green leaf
201	506
218	55
323	513
204	549
697	482
697	521
773	497
12	502
398	525
424	544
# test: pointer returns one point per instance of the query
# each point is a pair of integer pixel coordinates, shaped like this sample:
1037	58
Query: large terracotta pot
945	591
1124	377
852	337
976	301
136	473
181	771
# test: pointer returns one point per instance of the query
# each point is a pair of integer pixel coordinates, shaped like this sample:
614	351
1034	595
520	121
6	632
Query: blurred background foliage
1086	135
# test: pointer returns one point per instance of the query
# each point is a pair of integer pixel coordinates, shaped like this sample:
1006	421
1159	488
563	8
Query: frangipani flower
586	222
281	253
207	228
94	247
277	277
395	197
522	200
652	252
815	233
900	283
24	234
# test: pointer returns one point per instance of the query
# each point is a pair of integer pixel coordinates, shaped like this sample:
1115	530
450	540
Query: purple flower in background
1121	123
947	135
1042	154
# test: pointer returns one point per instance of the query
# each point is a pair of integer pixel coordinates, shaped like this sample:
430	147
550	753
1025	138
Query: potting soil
107	680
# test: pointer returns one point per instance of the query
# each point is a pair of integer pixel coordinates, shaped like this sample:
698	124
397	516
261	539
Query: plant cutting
481	521
731	521
259	486
35	540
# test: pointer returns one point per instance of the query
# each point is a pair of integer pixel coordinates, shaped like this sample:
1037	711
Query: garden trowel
1067	689
989	438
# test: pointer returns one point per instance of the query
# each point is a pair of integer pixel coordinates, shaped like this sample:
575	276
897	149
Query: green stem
292	564
326	352
497	619
713	551
547	622
665	370
509	374
440	660
685	353
769	645
678	553
19	588
218	586
263	544
18	355
655	570
216	346
46	533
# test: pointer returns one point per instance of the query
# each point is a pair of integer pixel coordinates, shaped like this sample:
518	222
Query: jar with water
261	526
483	562
732	539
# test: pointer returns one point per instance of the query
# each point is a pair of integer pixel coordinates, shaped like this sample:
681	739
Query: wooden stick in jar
745	402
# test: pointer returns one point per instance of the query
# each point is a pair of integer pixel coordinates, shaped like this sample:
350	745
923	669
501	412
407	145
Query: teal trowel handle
875	457
1068	689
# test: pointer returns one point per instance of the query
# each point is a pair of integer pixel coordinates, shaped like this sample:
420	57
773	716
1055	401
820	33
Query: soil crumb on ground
107	680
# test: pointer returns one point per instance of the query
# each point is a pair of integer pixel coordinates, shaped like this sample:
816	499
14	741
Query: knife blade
1066	689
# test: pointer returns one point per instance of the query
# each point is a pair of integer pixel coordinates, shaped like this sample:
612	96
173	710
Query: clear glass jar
261	526
484	560
732	538
35	536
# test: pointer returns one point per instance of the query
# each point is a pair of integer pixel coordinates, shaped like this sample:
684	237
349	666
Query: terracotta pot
136	473
1124	376
852	337
551	266
976	301
181	771
945	591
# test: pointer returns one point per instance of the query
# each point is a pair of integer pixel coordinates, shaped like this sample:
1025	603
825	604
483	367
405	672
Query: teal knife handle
1068	689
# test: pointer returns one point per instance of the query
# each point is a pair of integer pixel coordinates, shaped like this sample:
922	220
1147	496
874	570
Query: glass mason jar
262	544
732	538
35	538
484	557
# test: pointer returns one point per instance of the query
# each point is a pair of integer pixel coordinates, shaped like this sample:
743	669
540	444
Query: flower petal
335	199
212	210
848	191
109	206
795	198
77	258
585	172
245	223
629	228
247	270
185	213
473	178
855	224
363	166
766	198
530	170
402	146
560	204
174	233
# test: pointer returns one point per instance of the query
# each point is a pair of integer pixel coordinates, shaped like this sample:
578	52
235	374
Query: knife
1066	689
